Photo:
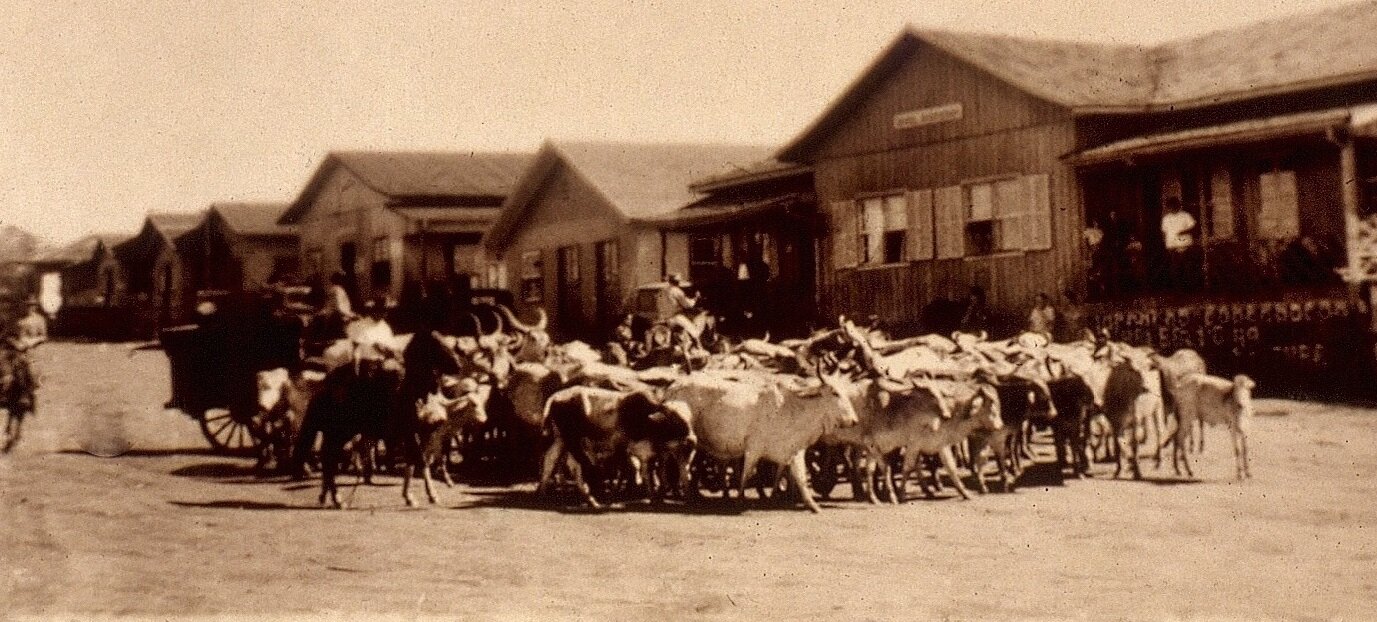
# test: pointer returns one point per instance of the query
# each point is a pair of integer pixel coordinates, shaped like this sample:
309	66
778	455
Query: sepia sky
111	109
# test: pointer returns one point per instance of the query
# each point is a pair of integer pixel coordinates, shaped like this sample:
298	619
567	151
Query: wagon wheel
231	433
822	469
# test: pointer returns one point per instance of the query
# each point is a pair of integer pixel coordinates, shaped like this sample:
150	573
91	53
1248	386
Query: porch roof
715	211
1250	130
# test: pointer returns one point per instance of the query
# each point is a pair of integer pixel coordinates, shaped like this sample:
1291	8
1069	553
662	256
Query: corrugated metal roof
649	180
1226	133
247	218
401	173
1286	54
173	224
419	174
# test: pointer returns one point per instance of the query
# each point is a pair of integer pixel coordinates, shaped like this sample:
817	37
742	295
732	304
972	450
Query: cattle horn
893	386
519	326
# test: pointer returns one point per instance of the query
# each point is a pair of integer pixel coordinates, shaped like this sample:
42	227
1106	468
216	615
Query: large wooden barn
960	161
588	223
393	220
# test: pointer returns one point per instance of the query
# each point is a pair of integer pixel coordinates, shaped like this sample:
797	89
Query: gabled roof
643	182
1287	54
82	249
256	219
171	225
408	175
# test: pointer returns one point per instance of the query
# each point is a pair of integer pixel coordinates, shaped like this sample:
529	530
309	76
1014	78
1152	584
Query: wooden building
1018	166
92	283
389	220
590	222
752	247
240	247
158	290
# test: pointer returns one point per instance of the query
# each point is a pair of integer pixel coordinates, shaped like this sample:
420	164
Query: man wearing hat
22	337
673	300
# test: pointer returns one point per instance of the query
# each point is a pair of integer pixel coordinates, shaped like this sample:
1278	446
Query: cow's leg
949	465
748	464
863	471
977	463
798	479
548	462
1240	439
332	453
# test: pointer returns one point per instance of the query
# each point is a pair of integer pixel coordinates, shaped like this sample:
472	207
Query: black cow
603	430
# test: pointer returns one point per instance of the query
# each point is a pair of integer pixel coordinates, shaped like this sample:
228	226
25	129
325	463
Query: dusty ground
167	530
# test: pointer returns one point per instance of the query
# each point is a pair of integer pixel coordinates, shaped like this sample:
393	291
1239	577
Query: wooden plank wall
1003	131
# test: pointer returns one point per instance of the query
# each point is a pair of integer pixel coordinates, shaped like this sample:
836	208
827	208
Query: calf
437	418
757	416
1214	400
282	403
599	428
1022	402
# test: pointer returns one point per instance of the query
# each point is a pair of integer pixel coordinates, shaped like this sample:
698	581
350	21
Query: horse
16	393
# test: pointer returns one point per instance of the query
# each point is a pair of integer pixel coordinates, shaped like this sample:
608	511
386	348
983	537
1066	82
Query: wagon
213	364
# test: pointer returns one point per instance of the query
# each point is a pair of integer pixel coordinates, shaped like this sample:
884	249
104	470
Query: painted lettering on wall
928	116
1313	335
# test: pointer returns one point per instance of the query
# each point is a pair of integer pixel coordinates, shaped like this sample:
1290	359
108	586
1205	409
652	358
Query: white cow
755	416
1215	400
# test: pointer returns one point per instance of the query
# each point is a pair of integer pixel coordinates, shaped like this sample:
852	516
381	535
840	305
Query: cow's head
533	343
983	409
1243	394
460	401
833	386
272	385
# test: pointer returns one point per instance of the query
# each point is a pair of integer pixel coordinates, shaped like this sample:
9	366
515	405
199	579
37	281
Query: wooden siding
346	210
565	212
897	293
929	78
1003	131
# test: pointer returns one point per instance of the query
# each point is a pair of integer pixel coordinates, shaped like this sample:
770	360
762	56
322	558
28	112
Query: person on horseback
678	310
17	387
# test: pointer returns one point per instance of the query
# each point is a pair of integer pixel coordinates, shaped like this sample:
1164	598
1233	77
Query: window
381	272
605	256
315	262
704	250
980	229
1009	214
532	276
882	229
496	275
1279	218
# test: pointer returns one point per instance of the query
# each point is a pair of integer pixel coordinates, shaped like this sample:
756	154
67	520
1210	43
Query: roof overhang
1238	132
708	212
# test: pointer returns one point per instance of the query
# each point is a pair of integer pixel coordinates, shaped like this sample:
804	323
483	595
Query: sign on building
928	116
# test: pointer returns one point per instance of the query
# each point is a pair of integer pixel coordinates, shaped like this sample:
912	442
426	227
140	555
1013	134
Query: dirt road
167	529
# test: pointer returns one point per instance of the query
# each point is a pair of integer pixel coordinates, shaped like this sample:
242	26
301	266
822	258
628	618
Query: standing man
32	329
1043	317
1177	225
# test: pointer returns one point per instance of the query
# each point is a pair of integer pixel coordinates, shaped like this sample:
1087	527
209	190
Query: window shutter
1037	230
1280	215
1221	205
1010	209
844	229
949	215
920	224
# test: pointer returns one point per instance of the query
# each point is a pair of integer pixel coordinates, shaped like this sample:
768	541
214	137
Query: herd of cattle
720	409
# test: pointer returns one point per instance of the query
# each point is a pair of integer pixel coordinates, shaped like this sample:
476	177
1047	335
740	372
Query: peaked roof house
239	247
963	163
588	222
157	289
389	219
90	282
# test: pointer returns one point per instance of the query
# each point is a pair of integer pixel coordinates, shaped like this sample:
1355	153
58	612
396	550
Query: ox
598	428
757	417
